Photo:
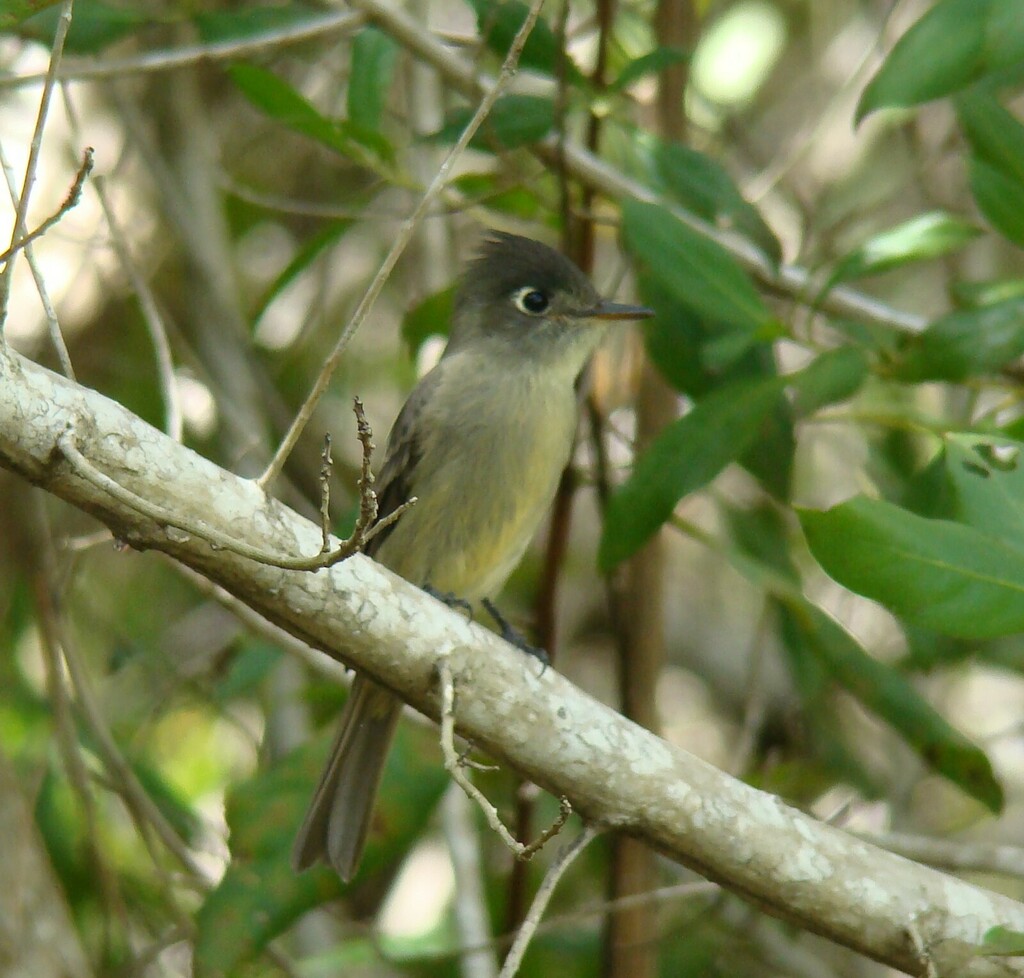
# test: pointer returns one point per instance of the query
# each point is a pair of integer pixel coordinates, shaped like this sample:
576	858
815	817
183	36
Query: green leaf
1001	940
94	26
280	101
995	135
687	455
889	695
494	192
373	63
431	317
919	239
1000	198
698	272
260	895
988	292
13	12
217	26
935	573
987	478
1004	34
941	53
515	120
499	22
704	187
833	376
651	63
963	344
303	258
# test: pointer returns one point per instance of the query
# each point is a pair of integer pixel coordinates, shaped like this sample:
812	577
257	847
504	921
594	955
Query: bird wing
397	475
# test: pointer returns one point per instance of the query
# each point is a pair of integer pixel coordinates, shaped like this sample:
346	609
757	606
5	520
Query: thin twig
402	239
326	465
791	280
31	166
211	535
170	59
557	869
455	767
52	323
74	195
151	315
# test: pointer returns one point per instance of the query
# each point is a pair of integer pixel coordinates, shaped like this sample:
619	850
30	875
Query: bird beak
617	310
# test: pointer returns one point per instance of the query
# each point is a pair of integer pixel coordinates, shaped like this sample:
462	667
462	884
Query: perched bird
481	443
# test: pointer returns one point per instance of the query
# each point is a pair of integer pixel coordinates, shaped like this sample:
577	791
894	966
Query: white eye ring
531	301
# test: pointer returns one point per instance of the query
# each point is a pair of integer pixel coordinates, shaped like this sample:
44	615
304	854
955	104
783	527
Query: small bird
481	443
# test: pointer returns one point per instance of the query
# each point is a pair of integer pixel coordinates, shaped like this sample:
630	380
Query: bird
481	443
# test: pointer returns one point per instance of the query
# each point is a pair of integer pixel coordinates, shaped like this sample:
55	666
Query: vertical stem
631	937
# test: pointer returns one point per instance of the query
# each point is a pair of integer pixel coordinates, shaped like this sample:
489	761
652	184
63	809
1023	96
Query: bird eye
531	301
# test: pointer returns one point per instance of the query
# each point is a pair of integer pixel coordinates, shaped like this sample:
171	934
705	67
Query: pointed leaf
1002	941
923	237
889	695
515	120
995	135
498	22
651	63
431	317
935	573
704	187
687	455
698	272
964	344
941	53
833	376
987	478
373	63
1000	198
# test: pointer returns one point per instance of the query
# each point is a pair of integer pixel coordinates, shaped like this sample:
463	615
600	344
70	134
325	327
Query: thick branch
613	772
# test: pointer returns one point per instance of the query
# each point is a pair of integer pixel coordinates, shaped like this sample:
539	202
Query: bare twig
584	166
402	239
454	765
326	464
214	537
74	195
52	323
563	861
21	216
323	25
151	315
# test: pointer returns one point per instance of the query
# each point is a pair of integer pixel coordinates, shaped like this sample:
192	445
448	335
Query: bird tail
338	819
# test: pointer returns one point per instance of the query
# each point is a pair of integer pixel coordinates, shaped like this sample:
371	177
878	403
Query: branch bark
615	773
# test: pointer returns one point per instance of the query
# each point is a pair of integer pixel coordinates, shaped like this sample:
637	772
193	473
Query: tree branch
614	773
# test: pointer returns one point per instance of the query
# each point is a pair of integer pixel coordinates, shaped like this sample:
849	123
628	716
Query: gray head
525	292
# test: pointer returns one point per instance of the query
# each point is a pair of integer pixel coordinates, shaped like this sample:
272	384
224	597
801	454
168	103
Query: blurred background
253	163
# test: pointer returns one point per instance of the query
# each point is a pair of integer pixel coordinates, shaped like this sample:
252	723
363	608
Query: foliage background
258	193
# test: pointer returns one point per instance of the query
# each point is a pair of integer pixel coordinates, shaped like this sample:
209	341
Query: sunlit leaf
685	456
935	573
651	63
923	237
1002	941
